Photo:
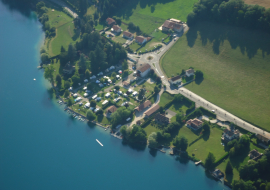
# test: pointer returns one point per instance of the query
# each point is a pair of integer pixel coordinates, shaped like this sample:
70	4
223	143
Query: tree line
232	12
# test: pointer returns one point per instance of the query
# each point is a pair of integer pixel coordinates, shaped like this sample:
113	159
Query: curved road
221	113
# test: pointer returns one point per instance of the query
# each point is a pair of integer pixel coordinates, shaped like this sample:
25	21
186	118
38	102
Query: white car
213	111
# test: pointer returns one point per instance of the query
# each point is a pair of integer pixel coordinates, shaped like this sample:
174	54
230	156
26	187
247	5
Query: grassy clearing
236	70
178	108
150	128
134	46
149	14
91	10
237	162
159	35
206	144
150	45
165	98
119	39
65	35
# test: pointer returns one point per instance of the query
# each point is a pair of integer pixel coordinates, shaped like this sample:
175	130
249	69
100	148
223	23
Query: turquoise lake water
42	148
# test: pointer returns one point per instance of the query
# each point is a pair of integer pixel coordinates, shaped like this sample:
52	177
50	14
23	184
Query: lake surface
42	148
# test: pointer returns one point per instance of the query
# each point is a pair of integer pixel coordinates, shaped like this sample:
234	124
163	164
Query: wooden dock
198	163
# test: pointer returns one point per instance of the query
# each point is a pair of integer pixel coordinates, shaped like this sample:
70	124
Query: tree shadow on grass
199	81
229	178
238	159
76	34
248	41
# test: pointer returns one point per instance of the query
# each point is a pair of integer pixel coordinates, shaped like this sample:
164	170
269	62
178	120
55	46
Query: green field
236	68
150	14
65	31
65	35
165	98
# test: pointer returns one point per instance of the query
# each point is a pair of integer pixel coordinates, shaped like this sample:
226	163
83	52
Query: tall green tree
58	79
48	74
210	161
181	142
229	168
90	115
152	140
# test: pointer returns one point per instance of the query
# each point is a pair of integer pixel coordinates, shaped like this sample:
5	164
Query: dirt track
264	3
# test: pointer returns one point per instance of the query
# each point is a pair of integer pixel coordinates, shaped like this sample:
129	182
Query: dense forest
233	12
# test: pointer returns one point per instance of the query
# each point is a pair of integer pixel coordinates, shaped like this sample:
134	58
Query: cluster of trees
108	7
44	18
255	174
237	147
134	134
100	53
120	115
156	138
180	143
134	28
233	12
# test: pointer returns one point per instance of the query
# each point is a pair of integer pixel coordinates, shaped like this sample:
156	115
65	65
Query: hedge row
221	159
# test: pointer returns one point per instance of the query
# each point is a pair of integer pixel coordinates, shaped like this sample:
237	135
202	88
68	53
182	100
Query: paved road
194	97
65	6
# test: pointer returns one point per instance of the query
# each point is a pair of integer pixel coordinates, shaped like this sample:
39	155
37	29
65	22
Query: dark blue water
42	148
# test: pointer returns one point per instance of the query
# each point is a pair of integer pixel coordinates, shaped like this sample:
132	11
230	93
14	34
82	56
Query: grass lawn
165	98
119	39
150	45
178	108
159	35
80	109
236	70
65	35
102	119
237	162
91	10
134	46
148	87
206	144
150	128
150	14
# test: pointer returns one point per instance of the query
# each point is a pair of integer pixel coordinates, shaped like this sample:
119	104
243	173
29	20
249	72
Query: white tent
87	105
85	94
105	102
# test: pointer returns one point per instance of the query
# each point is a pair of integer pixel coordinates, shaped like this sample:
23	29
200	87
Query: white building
144	70
175	80
189	72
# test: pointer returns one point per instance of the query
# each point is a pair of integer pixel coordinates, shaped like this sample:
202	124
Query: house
143	70
255	154
152	110
230	134
111	110
189	72
116	29
125	83
194	124
217	174
68	69
110	21
140	40
144	105
175	80
263	138
172	24
128	35
161	118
